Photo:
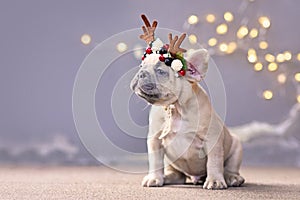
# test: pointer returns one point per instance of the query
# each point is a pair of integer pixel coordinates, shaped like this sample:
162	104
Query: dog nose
148	86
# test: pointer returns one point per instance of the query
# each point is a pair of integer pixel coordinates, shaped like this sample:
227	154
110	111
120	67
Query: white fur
186	136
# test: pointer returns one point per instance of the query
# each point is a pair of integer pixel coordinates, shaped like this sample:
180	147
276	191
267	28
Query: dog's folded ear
197	64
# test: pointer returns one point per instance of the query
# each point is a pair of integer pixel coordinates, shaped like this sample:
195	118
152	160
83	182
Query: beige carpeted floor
104	183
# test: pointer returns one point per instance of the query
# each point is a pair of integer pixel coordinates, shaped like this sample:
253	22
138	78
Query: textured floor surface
104	183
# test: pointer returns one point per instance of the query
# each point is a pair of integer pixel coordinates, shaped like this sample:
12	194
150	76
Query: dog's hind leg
173	176
233	163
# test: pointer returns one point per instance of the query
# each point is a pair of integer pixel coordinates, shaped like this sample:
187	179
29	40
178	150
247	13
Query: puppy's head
160	84
165	70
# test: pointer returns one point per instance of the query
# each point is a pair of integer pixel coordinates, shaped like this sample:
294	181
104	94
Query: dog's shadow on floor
245	186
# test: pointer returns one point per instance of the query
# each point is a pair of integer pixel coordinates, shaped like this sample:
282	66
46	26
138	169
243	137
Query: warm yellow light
138	51
212	42
193	19
263	45
242	32
268	94
210	18
222	29
258	66
121	47
193	39
281	78
272	67
252	58
280	58
298	98
297	77
228	16
264	21
251	52
287	55
298	56
223	47
253	33
231	47
86	39
269	57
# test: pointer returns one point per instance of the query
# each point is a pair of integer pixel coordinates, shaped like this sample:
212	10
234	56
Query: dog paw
153	180
215	184
234	180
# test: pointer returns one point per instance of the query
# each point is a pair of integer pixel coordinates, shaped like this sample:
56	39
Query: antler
175	43
148	35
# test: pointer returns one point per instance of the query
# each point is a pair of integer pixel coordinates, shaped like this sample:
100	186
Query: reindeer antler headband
171	54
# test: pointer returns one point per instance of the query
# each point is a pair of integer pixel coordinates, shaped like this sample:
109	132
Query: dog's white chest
182	146
186	152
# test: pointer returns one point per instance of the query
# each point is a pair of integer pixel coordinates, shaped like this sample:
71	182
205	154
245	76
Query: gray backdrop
40	54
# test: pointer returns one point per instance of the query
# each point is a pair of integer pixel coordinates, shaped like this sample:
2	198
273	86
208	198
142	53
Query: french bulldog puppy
186	138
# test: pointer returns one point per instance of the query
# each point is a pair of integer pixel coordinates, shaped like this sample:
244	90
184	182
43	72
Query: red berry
182	72
149	51
162	58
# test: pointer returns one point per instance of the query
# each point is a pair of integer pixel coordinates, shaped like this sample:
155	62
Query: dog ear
197	64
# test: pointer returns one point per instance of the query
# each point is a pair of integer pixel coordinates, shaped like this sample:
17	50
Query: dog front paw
234	180
153	180
215	184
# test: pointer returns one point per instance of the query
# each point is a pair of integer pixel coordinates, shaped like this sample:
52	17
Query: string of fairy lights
233	32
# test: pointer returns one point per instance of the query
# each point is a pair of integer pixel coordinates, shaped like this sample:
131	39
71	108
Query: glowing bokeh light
121	47
263	45
253	33
86	39
287	55
281	78
231	47
193	19
252	58
268	94
242	32
228	16
269	57
297	77
222	29
193	39
272	66
280	58
251	52
258	66
298	98
212	42
210	18
264	21
223	47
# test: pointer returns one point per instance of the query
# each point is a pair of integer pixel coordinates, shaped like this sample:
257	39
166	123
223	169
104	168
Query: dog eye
141	66
161	72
